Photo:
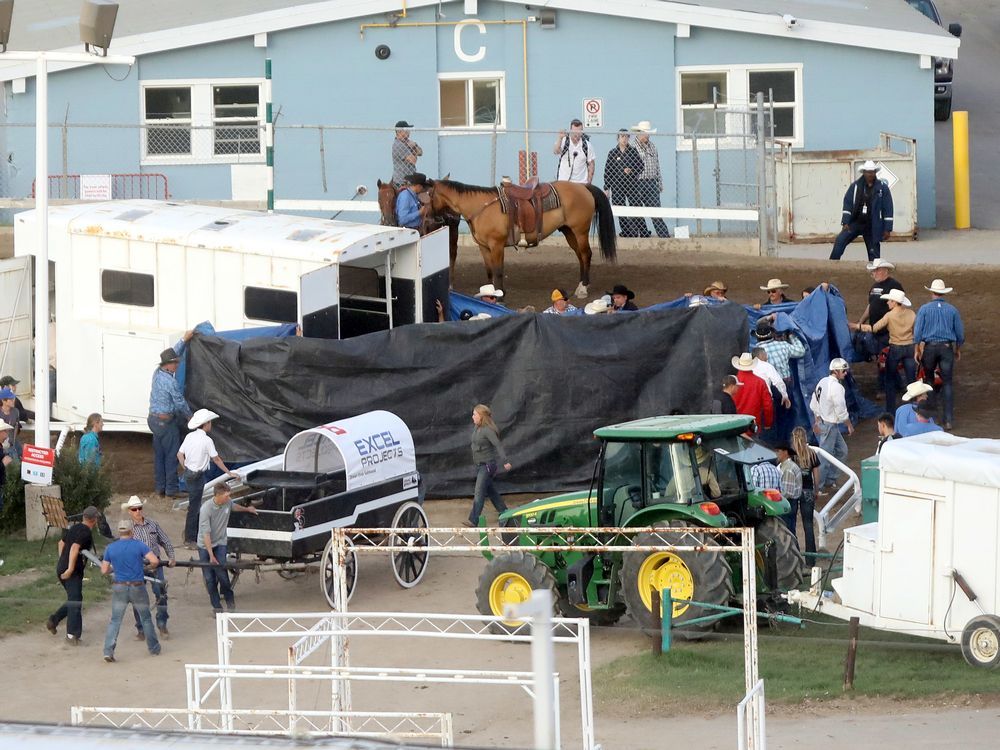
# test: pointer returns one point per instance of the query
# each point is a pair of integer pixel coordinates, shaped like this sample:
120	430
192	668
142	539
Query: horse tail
605	224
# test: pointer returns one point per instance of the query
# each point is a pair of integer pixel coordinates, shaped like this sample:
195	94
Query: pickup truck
944	70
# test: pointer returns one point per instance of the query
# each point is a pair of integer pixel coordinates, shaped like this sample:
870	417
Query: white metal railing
750	729
830	517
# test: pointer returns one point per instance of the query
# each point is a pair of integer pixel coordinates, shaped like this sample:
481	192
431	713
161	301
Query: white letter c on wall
480	53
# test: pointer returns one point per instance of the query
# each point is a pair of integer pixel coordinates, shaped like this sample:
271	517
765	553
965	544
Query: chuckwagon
359	471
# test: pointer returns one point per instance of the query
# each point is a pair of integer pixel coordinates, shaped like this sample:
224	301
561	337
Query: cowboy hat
167	356
200	417
481	316
488	290
898	296
916	389
870	166
643	126
774	284
937	287
880	263
744	362
763	330
715	286
622	290
133	502
403	124
599	305
557	294
4	427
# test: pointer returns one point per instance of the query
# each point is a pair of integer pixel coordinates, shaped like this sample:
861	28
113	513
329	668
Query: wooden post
654	601
852	652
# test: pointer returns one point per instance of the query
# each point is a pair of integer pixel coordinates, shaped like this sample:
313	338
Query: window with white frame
202	121
471	101
721	102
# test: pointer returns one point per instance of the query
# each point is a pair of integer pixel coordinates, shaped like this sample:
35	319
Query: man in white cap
150	533
195	453
939	334
867	213
829	408
899	323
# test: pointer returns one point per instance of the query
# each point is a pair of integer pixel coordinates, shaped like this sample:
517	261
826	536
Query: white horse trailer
128	277
930	565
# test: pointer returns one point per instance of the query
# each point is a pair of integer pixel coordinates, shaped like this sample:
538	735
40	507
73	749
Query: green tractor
677	471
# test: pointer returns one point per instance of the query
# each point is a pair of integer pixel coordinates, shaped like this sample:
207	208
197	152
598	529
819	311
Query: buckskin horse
498	216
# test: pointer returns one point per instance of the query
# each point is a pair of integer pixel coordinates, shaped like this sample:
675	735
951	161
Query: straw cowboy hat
643	126
774	284
598	306
133	502
744	362
481	316
488	290
880	263
913	390
200	417
870	166
898	296
715	286
4	427
937	287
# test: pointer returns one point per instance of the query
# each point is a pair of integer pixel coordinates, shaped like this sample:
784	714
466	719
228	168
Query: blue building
478	79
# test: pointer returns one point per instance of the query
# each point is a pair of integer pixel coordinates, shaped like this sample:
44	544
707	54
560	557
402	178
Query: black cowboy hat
417	178
763	330
403	124
167	356
622	289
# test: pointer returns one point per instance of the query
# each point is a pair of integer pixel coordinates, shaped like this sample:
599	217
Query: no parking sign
593	113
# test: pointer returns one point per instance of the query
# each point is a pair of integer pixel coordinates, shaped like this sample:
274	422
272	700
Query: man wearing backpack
576	155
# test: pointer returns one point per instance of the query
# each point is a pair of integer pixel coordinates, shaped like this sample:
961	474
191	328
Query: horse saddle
525	206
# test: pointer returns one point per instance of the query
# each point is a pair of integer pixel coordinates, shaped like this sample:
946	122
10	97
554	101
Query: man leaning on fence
650	179
404	154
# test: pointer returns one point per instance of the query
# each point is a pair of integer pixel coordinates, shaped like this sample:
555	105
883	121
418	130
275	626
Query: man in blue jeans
167	409
940	334
213	522
829	407
125	558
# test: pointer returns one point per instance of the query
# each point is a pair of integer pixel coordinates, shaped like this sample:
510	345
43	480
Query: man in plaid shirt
791	474
766	476
150	533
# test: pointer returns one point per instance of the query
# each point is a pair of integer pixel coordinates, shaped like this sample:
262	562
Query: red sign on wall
36	464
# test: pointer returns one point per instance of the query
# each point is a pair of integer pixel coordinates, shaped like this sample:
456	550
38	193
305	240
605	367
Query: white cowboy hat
880	263
643	126
898	296
599	305
200	417
870	166
481	316
937	286
488	290
5	426
744	362
913	390
774	284
839	363
133	502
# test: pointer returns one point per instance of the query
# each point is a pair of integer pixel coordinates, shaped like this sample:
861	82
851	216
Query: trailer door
319	303
15	321
906	552
129	363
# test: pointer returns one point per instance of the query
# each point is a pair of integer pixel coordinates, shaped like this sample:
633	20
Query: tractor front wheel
509	578
696	576
788	557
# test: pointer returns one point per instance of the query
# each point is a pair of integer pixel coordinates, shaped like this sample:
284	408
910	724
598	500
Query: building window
719	104
199	122
127	288
471	101
275	305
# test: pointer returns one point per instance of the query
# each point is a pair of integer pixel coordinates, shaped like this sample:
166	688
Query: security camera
790	21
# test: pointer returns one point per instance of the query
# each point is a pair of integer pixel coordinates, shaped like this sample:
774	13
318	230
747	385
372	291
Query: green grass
797	666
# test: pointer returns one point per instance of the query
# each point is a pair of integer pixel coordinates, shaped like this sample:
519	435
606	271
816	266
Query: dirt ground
502	716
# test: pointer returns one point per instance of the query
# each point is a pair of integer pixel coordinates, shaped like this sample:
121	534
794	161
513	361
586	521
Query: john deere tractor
660	472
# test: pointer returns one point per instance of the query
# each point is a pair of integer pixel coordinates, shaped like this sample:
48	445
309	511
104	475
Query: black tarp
549	380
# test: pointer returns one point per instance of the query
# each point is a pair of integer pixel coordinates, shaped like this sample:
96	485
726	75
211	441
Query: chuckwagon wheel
409	567
328	567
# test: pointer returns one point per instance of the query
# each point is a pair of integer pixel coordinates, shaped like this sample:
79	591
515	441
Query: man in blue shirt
408	210
125	558
939	335
168	410
906	414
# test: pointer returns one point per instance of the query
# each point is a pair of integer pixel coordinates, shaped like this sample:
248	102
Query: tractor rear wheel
601	617
697	576
788	557
509	578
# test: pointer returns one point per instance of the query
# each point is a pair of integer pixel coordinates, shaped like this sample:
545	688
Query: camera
790	21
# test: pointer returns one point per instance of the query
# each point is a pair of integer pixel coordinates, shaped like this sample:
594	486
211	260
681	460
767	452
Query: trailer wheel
981	642
698	576
509	578
788	557
409	567
329	570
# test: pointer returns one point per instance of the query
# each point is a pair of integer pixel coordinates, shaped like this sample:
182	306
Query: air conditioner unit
97	24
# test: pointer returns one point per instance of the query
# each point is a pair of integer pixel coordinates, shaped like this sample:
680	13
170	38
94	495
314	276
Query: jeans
898	353
217	578
166	443
121	596
850	233
833	443
195	483
941	354
629	226
72	610
159	602
804	505
484	488
649	195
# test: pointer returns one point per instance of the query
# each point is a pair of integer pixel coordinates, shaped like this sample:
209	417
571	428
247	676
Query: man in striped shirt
150	533
650	183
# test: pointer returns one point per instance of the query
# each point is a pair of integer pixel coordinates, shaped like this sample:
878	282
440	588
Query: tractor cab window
719	474
672	474
622	482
